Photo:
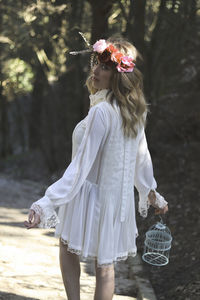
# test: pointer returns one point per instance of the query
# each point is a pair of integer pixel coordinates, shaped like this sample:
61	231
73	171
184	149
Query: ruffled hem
119	257
90	224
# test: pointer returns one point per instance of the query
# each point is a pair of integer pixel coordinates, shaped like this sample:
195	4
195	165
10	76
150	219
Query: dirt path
29	258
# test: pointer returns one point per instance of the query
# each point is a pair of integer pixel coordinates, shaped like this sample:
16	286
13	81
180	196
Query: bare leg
70	269
105	282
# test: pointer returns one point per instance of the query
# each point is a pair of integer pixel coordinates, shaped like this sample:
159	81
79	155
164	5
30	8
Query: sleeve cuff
48	216
144	203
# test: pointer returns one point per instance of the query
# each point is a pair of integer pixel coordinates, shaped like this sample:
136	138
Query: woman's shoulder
104	108
103	112
107	107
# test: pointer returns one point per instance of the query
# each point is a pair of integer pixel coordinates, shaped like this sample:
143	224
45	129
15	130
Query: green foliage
35	31
35	40
18	78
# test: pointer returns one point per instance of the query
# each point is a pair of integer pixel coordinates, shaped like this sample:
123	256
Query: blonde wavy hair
127	89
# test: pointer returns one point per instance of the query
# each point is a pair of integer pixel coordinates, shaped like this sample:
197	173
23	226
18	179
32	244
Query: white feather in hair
82	51
84	38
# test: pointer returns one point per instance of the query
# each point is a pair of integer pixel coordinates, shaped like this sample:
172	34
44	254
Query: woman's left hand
161	211
152	200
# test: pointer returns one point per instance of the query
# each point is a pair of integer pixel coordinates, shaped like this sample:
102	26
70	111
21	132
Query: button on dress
95	195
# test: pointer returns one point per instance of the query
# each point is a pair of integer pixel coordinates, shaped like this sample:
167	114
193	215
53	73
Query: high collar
98	97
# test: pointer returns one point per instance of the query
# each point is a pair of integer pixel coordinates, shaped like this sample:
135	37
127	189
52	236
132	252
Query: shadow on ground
10	296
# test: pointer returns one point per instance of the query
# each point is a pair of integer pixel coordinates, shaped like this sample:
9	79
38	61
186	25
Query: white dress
95	195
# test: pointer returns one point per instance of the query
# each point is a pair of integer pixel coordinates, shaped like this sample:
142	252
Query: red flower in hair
117	57
126	65
111	49
111	55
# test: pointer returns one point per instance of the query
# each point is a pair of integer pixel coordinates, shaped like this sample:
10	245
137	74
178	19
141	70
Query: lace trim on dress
160	201
156	200
99	96
37	209
79	252
47	220
144	203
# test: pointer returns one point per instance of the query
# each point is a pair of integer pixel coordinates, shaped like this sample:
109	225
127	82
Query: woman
110	155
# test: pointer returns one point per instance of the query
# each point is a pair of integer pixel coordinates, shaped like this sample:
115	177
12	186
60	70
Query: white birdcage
157	245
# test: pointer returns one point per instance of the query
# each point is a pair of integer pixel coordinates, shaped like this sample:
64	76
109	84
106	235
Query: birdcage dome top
161	227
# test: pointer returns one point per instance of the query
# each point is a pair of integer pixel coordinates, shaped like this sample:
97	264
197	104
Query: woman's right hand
33	219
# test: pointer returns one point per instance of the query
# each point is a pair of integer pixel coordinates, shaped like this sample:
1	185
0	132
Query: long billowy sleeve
66	188
144	178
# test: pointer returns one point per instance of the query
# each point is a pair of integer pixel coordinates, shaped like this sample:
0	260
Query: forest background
43	97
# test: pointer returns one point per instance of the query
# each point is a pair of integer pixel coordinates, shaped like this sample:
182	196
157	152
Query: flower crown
108	54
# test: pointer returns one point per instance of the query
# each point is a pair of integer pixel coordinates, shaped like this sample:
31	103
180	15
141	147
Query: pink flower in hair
126	65
100	46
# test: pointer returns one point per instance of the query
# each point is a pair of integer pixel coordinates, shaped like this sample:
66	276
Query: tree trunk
136	29
153	52
4	131
100	13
